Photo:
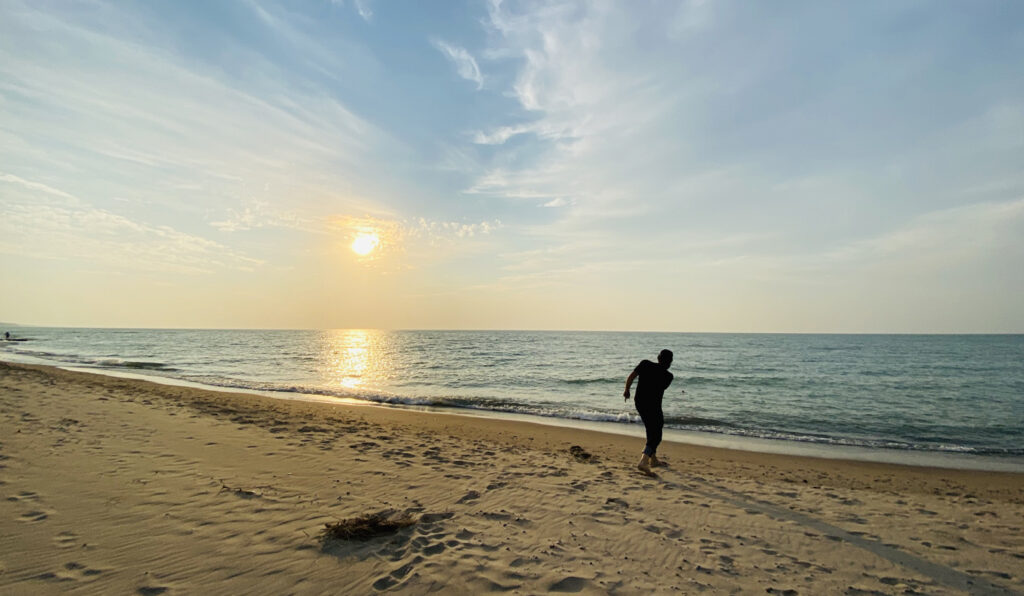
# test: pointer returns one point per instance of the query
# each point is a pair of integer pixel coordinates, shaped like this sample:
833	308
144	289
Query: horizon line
522	330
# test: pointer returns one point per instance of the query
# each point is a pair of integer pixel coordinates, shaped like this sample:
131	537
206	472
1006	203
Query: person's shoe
645	465
655	462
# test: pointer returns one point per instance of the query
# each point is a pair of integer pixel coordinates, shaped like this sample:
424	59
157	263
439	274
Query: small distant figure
7	336
654	380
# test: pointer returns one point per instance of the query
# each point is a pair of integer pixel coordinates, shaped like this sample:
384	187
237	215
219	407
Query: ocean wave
136	364
695	421
34	353
114	363
591	381
891	444
457	402
102	362
735	381
701	381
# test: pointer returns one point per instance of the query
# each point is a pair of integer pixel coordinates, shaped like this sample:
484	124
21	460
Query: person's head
665	358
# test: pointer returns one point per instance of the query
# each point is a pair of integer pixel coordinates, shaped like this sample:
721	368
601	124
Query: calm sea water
942	393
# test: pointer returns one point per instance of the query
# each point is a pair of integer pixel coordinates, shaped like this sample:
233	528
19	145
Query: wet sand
112	485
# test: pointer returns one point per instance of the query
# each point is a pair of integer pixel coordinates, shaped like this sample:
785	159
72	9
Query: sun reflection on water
353	358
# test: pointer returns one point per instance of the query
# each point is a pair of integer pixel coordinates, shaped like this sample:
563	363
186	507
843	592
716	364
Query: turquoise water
933	393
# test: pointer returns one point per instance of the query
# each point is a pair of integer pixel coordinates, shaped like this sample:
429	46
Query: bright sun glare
365	243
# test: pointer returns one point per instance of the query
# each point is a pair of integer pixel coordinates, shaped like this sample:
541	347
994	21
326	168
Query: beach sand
111	485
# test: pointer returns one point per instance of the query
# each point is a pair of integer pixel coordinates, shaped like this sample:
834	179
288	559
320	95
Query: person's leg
655	430
650	421
657	424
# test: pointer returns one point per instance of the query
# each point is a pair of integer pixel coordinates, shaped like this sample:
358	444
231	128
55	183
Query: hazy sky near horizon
677	166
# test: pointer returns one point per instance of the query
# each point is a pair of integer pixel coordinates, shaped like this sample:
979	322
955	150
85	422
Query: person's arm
629	384
671	378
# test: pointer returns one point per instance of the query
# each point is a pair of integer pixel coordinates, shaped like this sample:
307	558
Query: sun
365	243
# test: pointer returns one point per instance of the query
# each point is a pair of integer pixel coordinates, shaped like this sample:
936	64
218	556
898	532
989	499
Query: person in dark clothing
654	379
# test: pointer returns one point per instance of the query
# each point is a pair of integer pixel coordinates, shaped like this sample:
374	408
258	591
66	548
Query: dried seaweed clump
367	526
581	455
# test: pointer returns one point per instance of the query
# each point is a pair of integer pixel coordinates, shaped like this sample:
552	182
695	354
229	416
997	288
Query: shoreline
123	485
549	433
783	447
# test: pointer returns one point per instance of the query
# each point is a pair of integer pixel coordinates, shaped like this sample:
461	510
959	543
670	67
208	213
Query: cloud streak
364	9
465	64
41	222
156	116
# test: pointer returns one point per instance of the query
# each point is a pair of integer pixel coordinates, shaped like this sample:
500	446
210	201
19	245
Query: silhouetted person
7	335
654	380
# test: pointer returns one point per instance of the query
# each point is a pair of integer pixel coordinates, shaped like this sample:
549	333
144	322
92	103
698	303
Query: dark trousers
653	419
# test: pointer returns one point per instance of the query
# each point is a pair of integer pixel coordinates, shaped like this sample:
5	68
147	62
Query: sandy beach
114	485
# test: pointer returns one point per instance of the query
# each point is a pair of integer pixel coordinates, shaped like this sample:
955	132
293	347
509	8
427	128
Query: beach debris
581	455
367	526
239	492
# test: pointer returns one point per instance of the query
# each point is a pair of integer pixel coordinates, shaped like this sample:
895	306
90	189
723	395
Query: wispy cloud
500	135
38	186
944	239
445	231
465	64
543	129
41	222
596	116
364	9
636	134
261	214
159	117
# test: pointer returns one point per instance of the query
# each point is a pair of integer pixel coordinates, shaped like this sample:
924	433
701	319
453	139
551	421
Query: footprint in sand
71	572
65	540
33	516
999	574
430	541
570	584
615	502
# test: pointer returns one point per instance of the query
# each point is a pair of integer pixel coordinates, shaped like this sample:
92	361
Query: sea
946	400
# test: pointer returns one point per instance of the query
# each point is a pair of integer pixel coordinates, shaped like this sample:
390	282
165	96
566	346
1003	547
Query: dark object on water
581	455
367	526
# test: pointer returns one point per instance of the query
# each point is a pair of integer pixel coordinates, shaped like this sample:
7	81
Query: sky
639	165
